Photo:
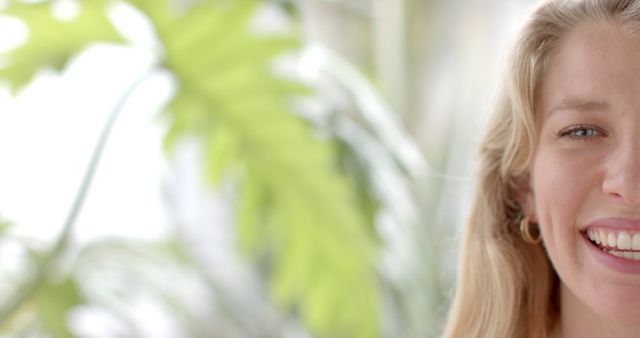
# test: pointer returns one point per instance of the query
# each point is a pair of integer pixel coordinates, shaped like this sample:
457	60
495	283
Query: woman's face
585	176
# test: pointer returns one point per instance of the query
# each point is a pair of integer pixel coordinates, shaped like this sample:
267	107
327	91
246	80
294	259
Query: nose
622	178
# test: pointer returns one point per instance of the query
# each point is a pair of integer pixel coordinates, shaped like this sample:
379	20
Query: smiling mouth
623	244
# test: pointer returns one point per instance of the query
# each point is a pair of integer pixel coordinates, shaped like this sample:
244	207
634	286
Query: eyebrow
580	105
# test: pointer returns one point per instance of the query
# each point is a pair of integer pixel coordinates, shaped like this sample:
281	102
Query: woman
552	248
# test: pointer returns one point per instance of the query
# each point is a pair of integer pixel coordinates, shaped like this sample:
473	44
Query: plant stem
48	261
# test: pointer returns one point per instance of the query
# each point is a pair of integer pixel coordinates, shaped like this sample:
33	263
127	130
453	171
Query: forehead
596	65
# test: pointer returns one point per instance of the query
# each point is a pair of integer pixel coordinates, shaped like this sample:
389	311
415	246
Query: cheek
561	184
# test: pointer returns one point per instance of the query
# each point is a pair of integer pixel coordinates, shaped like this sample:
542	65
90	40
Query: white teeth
616	253
625	244
625	254
624	240
635	243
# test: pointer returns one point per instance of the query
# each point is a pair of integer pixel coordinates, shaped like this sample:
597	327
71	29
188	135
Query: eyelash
570	132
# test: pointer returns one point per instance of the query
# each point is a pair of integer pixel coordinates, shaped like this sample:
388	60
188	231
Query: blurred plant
386	163
4	225
311	211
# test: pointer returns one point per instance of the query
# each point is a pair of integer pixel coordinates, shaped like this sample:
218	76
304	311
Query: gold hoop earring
525	231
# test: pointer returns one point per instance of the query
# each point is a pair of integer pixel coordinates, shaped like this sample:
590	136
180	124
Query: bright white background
49	130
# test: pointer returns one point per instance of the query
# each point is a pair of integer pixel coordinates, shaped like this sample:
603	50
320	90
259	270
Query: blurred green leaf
52	42
53	302
4	225
294	203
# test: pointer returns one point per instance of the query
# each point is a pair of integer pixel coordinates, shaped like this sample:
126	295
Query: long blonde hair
507	286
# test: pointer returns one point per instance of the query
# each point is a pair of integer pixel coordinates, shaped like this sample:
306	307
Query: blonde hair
506	286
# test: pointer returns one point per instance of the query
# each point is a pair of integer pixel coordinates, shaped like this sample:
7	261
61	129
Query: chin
616	303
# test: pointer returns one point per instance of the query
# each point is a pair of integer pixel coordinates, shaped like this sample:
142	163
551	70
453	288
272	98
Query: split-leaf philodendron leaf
53	302
294	204
52	42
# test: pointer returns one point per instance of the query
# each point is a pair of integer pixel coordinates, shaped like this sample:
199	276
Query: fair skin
585	175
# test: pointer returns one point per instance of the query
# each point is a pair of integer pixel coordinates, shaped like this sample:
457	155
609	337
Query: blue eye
580	132
583	132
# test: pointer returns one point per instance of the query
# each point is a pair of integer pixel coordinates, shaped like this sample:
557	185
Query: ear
524	195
